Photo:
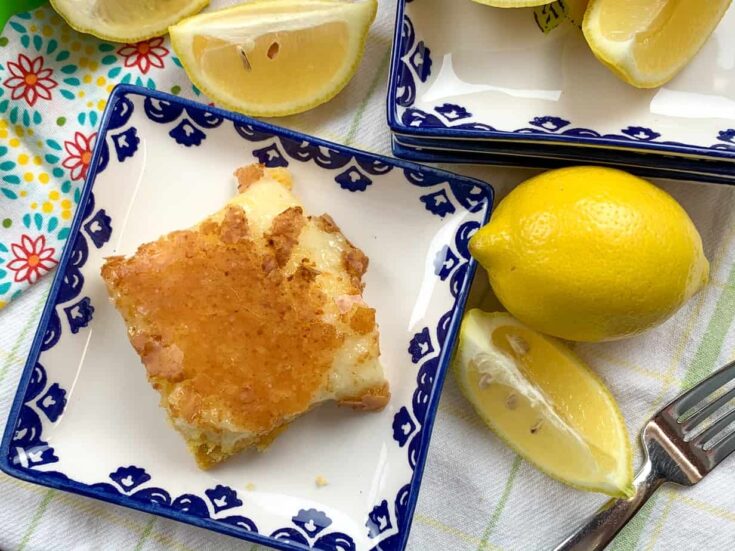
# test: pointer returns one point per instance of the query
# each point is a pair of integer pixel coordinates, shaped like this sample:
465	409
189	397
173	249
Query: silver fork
674	452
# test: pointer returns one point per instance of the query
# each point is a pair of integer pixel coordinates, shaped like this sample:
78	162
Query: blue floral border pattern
415	64
74	312
425	348
191	124
42	398
354	171
133	482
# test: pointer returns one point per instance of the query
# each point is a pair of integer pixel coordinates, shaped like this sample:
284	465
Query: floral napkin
53	88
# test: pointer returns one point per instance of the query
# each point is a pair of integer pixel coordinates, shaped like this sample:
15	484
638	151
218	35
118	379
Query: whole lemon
591	254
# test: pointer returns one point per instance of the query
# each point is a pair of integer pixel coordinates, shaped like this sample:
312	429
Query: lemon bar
250	319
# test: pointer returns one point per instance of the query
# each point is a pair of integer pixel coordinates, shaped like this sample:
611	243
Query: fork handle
600	529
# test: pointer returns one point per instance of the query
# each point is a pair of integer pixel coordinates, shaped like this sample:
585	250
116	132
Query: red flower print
29	79
32	259
80	155
145	54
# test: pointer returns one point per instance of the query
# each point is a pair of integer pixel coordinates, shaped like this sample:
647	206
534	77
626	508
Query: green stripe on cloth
705	359
658	528
363	104
704	363
628	539
501	504
145	533
40	510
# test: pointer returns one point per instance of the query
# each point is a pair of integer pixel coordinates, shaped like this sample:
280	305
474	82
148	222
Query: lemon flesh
274	57
591	254
647	42
544	402
514	3
125	20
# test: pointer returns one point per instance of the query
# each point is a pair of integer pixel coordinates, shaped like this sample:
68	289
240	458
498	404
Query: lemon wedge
514	3
125	20
647	42
542	400
274	57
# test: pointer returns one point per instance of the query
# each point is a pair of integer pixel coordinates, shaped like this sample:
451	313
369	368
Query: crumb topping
320	481
284	233
355	263
363	320
326	223
247	175
234	226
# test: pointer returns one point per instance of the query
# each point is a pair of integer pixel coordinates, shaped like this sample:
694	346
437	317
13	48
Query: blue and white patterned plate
465	71
85	419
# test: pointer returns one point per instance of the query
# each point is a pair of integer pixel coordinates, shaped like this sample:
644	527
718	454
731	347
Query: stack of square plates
475	84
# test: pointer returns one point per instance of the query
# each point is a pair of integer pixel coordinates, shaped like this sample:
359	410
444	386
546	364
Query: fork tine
723	448
708	410
716	428
694	396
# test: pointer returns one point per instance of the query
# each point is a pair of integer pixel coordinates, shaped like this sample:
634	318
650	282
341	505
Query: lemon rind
514	3
160	29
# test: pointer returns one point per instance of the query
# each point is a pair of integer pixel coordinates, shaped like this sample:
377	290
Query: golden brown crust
362	320
284	233
234	227
307	270
247	175
355	263
269	264
184	400
164	361
345	303
374	399
325	223
281	350
109	269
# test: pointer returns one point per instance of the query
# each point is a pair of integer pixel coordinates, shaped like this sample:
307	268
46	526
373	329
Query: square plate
461	70
437	150
85	419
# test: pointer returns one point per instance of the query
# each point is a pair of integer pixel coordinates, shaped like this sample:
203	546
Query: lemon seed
244	58
485	380
273	50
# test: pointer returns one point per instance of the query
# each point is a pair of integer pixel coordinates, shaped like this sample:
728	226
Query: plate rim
538	162
50	480
682	169
544	138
